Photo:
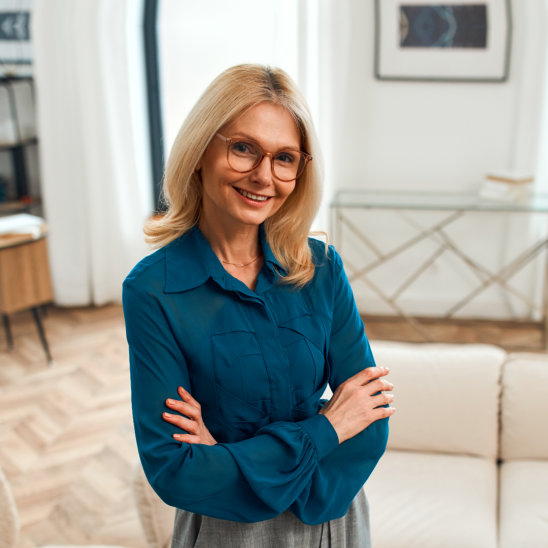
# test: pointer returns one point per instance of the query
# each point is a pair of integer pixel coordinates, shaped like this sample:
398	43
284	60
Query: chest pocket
303	338
241	378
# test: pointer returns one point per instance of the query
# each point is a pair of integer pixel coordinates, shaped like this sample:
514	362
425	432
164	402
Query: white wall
424	135
437	136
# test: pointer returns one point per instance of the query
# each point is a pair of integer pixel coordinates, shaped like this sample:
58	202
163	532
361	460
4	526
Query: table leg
7	329
41	332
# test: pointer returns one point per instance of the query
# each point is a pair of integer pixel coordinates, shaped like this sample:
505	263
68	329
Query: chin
253	220
253	217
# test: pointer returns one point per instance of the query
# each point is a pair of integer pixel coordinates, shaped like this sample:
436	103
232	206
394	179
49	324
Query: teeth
252	196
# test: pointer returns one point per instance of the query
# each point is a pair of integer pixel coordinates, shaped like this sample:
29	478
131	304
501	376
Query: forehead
268	123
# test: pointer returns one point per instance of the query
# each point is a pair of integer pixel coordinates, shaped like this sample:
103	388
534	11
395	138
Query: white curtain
92	127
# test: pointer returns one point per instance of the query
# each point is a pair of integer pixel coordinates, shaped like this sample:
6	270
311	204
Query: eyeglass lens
244	156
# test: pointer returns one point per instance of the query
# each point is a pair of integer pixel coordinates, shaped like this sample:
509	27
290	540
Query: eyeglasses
245	155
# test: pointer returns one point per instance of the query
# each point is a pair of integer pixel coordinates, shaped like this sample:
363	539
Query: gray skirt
284	531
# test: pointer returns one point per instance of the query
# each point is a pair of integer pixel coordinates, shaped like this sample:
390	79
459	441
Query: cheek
214	178
286	191
283	194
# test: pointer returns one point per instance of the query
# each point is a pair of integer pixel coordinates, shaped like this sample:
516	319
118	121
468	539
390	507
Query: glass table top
422	200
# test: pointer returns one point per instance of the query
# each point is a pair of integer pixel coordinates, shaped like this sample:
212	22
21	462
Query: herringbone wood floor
66	437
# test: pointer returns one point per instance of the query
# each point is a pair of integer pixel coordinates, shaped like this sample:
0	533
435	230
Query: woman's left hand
190	419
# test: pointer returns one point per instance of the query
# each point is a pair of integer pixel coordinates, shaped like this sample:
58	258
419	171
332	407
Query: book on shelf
22	223
510	177
509	186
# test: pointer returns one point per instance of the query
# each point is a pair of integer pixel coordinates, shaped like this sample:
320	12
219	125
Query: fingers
186	396
384	412
382	399
189	412
368	374
188	418
188	425
382	408
187	438
378	385
184	408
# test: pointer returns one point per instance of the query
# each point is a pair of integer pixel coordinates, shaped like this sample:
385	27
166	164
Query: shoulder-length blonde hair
234	91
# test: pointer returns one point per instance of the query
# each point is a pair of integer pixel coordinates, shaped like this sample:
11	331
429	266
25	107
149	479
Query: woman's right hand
358	402
189	419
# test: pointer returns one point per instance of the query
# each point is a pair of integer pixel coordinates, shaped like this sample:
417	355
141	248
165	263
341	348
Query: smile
254	197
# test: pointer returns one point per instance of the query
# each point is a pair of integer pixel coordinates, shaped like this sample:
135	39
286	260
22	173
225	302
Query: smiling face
232	200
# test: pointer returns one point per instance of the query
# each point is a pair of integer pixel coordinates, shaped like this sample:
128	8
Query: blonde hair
234	91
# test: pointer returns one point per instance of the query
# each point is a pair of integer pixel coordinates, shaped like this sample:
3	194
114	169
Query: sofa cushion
156	516
524	504
422	500
446	396
525	407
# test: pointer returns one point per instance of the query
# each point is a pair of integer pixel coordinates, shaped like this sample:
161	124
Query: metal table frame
455	206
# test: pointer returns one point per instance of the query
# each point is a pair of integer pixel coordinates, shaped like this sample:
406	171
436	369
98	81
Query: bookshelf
19	188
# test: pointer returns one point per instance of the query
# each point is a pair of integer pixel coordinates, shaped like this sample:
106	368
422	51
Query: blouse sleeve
340	474
247	481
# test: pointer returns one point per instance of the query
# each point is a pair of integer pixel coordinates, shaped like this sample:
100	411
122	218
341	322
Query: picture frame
16	55
443	40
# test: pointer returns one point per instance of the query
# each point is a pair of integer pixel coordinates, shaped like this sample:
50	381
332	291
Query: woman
240	311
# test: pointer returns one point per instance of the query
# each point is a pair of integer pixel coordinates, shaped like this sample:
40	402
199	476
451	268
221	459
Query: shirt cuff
321	432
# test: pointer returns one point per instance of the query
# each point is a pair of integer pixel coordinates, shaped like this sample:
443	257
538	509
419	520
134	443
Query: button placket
277	366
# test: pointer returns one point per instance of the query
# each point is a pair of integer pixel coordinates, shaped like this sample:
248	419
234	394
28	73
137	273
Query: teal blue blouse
258	362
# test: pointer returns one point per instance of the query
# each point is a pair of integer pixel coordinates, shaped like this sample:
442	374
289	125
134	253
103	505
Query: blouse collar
190	262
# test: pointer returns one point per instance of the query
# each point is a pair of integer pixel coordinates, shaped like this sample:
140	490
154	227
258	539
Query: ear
198	172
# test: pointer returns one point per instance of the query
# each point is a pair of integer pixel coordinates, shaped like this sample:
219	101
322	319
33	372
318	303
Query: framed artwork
15	37
454	40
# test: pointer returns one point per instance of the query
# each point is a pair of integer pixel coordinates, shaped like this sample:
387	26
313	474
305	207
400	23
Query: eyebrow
244	135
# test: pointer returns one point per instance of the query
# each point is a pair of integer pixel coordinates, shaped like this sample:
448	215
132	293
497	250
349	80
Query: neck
236	247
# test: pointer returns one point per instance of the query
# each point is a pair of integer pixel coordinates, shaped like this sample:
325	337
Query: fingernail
169	415
177	436
171	402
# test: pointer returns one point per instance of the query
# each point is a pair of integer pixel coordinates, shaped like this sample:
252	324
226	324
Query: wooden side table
25	282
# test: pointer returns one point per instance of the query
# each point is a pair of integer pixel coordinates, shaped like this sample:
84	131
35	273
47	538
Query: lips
251	196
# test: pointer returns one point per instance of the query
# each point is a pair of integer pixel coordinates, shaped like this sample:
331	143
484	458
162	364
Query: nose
263	172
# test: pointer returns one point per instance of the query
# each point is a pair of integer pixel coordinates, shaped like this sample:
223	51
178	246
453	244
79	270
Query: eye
286	157
243	148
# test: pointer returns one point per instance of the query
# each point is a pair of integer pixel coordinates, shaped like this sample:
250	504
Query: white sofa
467	458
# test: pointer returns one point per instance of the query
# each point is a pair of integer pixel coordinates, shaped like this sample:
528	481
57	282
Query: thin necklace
240	264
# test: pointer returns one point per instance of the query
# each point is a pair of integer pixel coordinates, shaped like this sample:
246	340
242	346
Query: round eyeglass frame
305	158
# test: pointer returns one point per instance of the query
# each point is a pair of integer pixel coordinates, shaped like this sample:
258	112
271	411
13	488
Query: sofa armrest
156	517
447	396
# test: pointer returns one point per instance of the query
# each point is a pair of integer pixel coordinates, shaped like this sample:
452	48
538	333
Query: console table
450	207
